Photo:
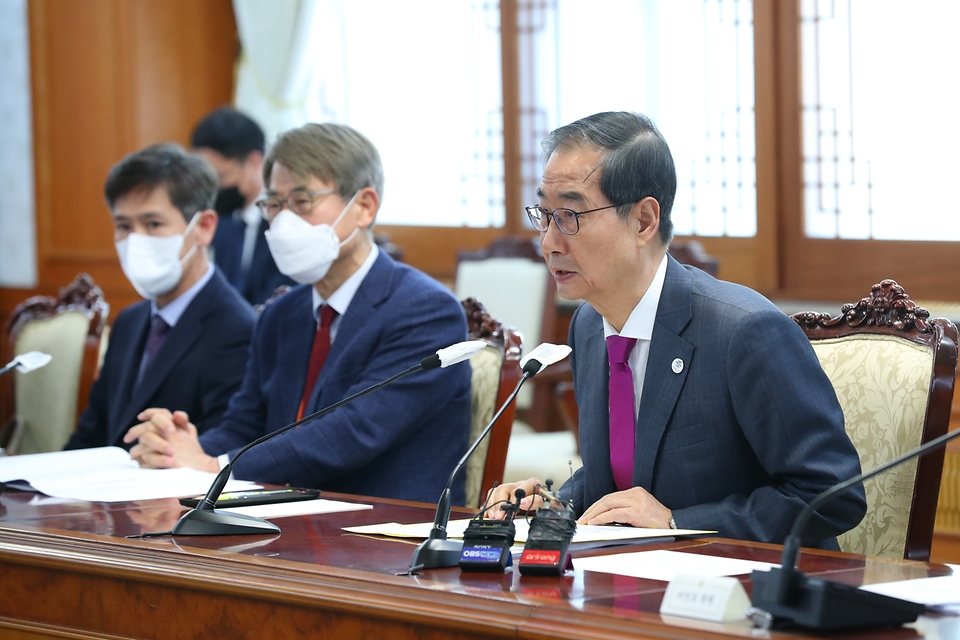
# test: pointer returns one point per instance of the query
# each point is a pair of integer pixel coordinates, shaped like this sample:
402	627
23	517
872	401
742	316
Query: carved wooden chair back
893	369
496	371
279	291
691	252
46	402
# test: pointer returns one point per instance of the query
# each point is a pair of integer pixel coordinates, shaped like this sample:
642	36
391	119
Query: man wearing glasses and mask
184	346
357	318
234	145
701	405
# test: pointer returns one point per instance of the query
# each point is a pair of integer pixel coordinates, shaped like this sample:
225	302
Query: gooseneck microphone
786	595
437	551
205	520
27	362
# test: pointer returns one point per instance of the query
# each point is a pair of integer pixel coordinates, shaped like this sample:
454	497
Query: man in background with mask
184	347
357	319
233	144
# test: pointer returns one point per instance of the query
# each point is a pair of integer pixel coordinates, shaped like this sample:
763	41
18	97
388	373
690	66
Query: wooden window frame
779	261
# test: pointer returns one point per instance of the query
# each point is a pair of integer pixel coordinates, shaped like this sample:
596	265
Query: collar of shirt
250	215
640	323
172	312
342	297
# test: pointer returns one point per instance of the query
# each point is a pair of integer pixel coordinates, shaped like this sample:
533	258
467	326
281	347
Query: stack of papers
665	565
105	474
587	535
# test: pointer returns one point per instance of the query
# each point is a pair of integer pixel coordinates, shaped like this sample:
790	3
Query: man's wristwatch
673	523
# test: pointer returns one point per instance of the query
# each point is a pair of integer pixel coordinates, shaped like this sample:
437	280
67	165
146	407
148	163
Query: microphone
437	551
27	362
205	520
786	594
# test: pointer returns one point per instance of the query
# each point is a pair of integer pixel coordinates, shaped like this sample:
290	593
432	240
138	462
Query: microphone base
828	606
434	553
221	523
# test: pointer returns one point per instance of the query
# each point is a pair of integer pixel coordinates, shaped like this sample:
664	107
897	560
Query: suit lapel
374	289
295	342
132	350
661	384
596	380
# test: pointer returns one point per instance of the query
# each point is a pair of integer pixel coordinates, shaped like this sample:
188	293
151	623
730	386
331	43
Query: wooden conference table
67	572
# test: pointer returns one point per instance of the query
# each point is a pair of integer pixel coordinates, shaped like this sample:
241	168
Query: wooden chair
496	371
279	291
893	369
691	252
512	280
48	401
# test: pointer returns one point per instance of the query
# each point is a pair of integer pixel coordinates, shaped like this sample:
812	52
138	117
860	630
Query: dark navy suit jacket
199	366
263	277
401	441
738	441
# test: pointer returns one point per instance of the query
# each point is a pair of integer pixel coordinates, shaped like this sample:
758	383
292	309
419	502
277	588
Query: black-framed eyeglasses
568	220
300	201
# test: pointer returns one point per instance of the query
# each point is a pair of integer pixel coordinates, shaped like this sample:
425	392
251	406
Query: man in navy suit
234	145
701	405
184	346
357	318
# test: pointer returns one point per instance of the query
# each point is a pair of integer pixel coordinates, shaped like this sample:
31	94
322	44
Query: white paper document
941	593
664	565
297	508
585	533
105	474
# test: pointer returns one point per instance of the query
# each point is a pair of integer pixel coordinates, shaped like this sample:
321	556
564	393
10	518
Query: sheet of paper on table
298	508
664	565
104	474
940	594
586	534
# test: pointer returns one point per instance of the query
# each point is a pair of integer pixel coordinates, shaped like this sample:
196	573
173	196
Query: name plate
716	599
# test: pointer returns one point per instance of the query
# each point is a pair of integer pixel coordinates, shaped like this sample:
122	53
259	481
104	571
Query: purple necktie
158	331
622	413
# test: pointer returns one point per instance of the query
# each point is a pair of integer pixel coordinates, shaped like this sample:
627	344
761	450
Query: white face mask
303	251
153	264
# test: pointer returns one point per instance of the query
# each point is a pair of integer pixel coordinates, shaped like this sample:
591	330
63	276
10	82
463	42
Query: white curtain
291	67
18	241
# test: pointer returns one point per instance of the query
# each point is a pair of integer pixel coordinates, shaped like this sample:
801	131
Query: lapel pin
677	365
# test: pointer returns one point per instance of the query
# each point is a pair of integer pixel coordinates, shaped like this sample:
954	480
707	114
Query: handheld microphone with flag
437	551
205	520
786	595
27	362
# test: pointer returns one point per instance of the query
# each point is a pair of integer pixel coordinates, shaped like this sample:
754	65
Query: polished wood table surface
67	571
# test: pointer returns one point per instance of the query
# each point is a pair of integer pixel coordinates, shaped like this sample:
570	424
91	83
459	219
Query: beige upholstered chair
893	370
515	286
47	401
496	371
513	277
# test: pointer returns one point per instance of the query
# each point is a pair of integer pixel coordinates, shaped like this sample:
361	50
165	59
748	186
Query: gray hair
331	152
636	164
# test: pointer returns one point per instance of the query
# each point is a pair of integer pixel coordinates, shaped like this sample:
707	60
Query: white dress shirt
640	326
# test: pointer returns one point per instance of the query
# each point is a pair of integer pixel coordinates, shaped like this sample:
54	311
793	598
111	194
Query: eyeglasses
300	201
568	220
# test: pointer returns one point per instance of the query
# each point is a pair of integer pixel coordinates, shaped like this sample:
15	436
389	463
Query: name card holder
720	599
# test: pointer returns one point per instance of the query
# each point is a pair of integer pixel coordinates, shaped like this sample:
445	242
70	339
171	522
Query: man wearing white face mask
357	319
184	346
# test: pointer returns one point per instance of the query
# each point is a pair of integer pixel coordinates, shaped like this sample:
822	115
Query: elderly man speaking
701	405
